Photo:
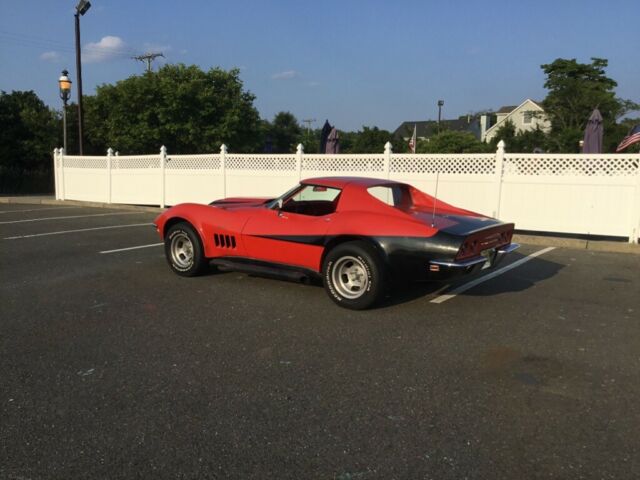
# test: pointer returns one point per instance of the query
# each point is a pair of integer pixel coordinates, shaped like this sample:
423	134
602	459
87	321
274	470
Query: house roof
511	108
428	128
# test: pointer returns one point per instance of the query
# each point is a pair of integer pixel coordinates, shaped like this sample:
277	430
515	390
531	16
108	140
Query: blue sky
354	62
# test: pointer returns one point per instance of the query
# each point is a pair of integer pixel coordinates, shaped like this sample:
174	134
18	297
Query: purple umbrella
333	142
326	130
593	133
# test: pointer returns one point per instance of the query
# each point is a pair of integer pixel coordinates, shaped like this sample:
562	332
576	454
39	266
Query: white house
525	117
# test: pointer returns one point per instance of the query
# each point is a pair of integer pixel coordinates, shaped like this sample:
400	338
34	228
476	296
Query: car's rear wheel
184	251
353	275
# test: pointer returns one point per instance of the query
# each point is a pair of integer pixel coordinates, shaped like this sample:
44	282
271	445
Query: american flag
412	141
632	137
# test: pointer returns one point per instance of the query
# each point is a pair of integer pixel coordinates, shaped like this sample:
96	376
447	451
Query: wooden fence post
499	166
299	154
109	155
163	162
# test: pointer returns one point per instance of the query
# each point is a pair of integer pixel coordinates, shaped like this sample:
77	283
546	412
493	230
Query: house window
527	117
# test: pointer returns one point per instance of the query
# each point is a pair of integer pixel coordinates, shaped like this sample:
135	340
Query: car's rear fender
340	239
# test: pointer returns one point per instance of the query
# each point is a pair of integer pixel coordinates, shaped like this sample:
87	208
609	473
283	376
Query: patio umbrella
593	133
326	130
333	142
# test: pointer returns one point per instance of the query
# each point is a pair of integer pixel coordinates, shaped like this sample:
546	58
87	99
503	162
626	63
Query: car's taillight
474	244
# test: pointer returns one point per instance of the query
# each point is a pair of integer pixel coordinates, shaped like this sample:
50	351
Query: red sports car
356	234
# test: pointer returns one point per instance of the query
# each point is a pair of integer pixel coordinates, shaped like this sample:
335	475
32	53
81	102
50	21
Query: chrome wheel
181	250
350	277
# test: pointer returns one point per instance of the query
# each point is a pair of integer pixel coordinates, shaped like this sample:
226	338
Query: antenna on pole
148	58
435	200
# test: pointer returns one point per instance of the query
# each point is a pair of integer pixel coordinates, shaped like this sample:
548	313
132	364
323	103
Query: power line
41	42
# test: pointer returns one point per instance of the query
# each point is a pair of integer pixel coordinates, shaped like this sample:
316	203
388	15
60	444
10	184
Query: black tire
353	275
183	250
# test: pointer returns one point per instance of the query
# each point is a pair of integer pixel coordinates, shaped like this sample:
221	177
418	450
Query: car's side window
394	195
314	200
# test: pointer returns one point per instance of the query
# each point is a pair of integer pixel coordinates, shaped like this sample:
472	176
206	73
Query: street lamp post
65	92
81	9
440	104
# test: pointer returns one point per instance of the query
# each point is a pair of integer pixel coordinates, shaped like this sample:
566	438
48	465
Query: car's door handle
282	215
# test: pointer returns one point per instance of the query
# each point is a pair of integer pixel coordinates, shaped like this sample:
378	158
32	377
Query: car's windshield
274	203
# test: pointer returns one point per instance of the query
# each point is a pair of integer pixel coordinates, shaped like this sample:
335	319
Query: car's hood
240	202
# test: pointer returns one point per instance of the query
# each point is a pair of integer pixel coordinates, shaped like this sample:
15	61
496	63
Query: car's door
282	235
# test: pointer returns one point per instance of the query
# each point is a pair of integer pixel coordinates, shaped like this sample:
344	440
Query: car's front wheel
353	275
184	251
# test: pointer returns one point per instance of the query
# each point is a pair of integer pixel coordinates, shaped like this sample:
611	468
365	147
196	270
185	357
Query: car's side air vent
224	241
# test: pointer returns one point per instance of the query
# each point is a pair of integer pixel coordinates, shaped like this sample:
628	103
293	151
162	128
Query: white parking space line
132	248
76	231
39	209
500	271
68	216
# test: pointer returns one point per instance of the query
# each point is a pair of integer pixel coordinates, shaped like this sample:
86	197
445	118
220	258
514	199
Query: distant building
426	129
525	117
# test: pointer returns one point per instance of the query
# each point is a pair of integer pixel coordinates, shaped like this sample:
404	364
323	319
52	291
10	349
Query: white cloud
50	56
286	75
106	49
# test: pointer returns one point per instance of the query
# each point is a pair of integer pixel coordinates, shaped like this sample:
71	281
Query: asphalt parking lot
114	367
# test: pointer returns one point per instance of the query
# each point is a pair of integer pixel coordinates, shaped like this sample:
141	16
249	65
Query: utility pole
308	121
148	58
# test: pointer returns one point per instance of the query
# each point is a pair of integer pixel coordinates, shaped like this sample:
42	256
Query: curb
547	241
578	244
78	203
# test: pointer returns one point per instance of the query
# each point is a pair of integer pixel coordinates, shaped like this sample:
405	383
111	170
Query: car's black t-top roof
341	182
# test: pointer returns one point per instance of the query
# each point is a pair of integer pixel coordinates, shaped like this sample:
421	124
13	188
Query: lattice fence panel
135	161
84	162
286	163
343	163
570	165
193	162
450	164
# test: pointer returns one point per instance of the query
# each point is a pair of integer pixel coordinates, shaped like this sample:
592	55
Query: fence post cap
163	150
223	148
388	147
109	151
61	151
300	148
501	146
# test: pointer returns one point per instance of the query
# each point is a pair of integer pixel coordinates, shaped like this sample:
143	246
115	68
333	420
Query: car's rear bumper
446	269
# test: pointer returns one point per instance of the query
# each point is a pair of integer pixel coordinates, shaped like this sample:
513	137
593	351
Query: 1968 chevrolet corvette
356	234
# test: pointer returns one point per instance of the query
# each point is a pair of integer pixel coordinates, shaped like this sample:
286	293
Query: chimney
484	126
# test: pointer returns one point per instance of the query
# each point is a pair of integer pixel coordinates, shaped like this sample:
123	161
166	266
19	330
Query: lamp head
65	85
83	6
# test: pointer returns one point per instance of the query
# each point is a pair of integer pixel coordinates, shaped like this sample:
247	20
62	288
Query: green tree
518	141
284	133
28	135
451	141
371	140
575	89
182	107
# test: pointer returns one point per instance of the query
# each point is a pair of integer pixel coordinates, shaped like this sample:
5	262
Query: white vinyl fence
563	193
